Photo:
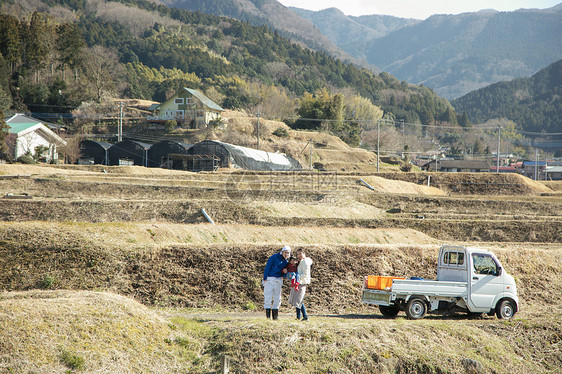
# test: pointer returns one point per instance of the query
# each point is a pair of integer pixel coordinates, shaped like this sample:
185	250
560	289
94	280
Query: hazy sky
420	9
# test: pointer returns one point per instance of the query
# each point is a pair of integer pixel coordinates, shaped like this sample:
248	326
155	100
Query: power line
115	117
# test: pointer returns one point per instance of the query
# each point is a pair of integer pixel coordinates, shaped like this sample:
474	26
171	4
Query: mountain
270	13
452	54
533	103
352	33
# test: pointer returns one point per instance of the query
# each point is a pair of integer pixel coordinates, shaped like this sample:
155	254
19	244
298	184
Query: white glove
263	283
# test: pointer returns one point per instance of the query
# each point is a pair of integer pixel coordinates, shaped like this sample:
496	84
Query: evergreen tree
463	120
10	40
69	45
39	41
4	128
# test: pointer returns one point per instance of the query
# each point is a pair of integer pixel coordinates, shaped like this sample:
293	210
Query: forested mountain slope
534	103
270	13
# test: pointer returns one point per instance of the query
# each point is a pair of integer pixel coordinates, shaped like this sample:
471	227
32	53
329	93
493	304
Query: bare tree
71	150
26	143
10	147
102	69
389	139
273	102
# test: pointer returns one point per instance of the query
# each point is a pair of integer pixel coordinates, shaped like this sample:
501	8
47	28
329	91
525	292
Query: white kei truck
468	279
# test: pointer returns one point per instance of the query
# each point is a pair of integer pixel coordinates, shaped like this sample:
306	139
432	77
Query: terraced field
97	263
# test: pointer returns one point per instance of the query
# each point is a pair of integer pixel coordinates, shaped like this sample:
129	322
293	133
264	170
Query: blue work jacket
274	266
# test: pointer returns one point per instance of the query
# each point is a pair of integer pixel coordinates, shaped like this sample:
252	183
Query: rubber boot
268	313
298	313
275	313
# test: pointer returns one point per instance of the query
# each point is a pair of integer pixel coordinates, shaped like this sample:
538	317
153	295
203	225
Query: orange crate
377	282
384	282
371	281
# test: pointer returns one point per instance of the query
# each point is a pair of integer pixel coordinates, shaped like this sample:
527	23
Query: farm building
94	152
129	152
553	173
158	154
234	156
452	166
30	136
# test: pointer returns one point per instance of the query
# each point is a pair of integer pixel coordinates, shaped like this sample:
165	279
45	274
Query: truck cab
469	279
487	282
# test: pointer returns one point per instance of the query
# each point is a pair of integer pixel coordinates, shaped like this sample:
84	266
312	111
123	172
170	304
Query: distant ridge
452	54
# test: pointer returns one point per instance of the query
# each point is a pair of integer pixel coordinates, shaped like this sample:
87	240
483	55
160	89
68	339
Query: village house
534	170
467	166
189	107
30	136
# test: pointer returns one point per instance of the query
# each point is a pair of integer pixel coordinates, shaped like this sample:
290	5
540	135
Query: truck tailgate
376	297
429	288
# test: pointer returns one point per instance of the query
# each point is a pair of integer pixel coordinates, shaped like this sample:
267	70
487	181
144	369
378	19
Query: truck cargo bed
407	287
429	288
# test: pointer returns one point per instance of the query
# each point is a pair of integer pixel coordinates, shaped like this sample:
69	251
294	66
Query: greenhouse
234	156
159	153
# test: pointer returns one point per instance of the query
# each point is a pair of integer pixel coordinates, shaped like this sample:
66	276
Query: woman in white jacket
296	297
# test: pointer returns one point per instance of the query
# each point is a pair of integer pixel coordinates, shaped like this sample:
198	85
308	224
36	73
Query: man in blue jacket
273	281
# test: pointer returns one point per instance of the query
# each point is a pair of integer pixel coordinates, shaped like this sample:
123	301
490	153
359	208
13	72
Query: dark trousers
302	310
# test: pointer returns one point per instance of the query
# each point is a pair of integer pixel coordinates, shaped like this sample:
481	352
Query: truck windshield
484	264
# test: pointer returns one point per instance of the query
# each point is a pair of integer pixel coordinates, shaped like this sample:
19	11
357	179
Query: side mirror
499	271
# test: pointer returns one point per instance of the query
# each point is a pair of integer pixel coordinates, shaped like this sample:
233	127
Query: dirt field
98	264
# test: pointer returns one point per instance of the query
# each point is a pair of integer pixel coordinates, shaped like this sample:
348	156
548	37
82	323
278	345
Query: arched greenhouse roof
245	158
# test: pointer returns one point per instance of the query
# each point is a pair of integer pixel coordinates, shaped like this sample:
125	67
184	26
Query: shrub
39	152
406	166
72	360
216	122
48	282
281	132
170	124
250	306
25	159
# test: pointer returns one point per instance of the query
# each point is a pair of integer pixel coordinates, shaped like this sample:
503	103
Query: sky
419	9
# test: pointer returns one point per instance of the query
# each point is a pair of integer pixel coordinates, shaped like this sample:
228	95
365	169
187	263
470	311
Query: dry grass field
115	269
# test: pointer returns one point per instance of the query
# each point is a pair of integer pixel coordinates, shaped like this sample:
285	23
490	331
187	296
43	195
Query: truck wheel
416	308
389	311
505	309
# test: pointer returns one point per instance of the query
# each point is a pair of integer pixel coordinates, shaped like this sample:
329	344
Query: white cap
286	248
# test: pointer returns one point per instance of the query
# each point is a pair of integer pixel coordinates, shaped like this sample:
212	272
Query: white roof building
31	133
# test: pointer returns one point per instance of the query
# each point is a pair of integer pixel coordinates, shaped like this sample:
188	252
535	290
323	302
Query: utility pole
498	151
378	143
403	140
258	129
545	169
310	157
120	126
536	164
